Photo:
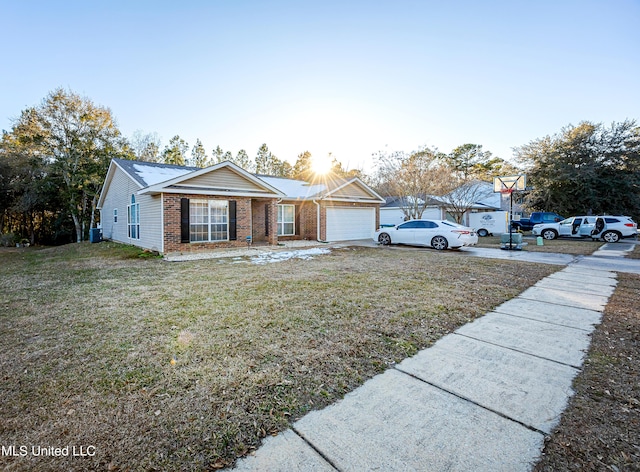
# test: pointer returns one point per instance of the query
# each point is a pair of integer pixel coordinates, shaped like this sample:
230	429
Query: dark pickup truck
536	218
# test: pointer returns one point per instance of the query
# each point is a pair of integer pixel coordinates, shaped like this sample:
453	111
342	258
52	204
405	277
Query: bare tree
146	147
413	178
466	194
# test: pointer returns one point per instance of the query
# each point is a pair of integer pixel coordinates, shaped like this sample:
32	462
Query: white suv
574	227
608	228
612	228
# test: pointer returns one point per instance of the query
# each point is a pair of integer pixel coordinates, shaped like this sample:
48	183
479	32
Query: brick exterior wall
305	220
172	239
250	221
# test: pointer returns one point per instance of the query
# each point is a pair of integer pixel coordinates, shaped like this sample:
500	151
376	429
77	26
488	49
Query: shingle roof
151	173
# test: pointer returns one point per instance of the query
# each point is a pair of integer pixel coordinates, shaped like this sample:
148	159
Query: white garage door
350	223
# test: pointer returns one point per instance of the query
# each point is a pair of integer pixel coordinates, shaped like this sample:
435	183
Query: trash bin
95	235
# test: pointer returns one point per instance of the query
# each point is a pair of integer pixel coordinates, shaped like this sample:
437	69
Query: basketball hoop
509	184
506	185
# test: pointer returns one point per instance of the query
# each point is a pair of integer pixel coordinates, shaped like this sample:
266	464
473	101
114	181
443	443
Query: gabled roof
327	188
180	184
154	178
294	189
366	193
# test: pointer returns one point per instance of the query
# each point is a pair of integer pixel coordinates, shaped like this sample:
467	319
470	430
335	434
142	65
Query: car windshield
568	221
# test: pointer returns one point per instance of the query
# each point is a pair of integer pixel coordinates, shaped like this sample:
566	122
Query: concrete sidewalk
480	399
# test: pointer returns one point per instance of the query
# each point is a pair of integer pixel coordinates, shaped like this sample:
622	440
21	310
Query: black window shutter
184	220
297	219
266	219
233	234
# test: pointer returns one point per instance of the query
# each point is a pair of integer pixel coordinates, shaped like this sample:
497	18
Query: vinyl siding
352	191
119	196
222	178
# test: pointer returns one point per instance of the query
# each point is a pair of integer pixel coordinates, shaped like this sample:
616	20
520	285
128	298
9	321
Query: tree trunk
32	229
78	226
94	202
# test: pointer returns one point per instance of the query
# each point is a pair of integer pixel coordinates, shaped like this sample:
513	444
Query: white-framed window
286	220
115	215
133	218
209	220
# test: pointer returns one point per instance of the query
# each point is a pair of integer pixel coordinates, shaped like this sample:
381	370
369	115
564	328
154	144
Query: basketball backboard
510	182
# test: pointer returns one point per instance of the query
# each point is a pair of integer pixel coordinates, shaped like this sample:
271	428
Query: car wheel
611	236
549	234
384	239
483	233
440	243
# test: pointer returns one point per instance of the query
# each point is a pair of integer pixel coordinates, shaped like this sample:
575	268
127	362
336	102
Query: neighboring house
438	208
172	208
391	212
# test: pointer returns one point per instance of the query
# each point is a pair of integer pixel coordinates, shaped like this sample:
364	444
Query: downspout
162	223
276	228
318	222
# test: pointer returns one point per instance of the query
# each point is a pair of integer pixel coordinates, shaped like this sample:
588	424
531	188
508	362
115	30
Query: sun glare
321	165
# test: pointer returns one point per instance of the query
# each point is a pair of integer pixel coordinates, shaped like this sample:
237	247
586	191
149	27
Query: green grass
185	366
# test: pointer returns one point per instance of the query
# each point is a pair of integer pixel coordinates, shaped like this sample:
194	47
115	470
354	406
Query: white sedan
438	234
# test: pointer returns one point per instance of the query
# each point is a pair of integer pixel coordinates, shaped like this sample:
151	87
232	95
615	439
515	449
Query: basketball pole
510	220
510	190
508	184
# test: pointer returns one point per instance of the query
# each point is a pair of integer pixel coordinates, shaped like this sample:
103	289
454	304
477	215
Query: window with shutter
209	220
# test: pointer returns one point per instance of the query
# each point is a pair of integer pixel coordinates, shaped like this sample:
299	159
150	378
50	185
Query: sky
350	78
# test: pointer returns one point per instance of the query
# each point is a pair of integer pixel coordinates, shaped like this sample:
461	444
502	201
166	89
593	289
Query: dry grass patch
635	254
186	366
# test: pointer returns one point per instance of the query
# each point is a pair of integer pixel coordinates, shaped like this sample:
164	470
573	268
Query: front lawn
186	366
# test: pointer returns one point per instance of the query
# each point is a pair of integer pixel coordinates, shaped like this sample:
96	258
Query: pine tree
199	156
176	151
218	155
243	160
302	169
262	160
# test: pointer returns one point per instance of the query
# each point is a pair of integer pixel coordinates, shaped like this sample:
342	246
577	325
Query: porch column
272	237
